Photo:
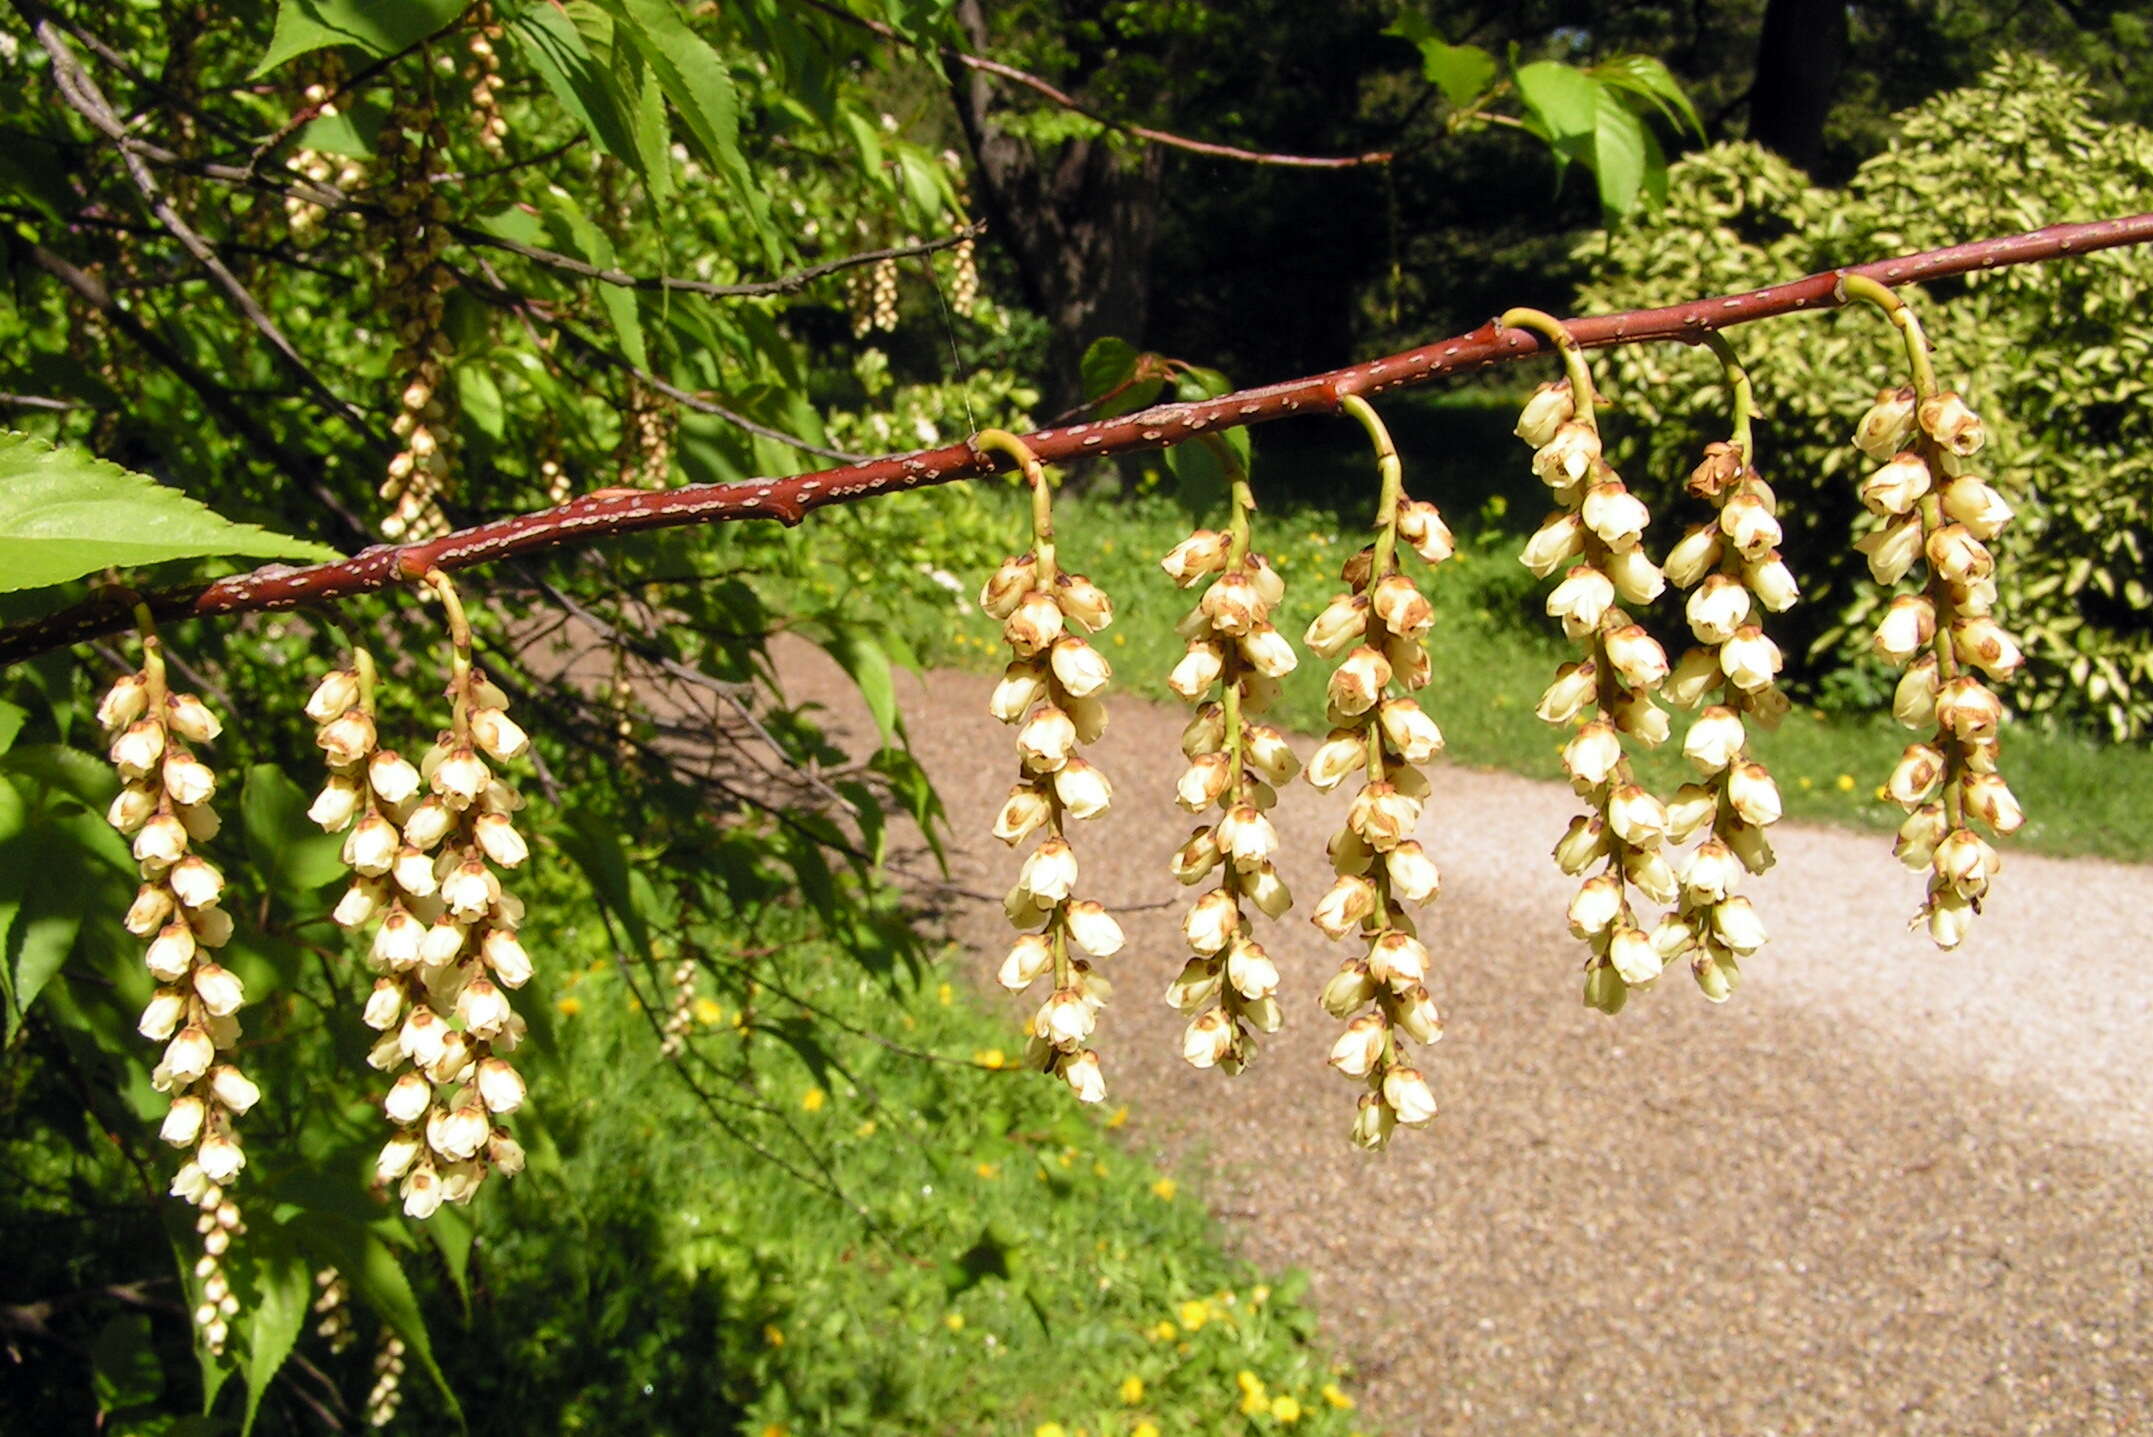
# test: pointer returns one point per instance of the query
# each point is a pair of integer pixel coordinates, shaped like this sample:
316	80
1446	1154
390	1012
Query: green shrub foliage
2054	356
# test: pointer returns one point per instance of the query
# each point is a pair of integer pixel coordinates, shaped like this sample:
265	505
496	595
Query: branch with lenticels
609	512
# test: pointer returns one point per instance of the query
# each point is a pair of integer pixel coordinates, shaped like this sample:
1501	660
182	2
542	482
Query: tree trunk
1079	221
1799	55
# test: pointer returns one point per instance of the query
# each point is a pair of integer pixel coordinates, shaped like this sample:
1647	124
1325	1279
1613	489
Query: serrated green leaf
1562	107
45	927
65	513
869	664
592	842
585	88
375	1275
573	231
124	1371
379	27
1462	72
1646	77
274	1316
12	717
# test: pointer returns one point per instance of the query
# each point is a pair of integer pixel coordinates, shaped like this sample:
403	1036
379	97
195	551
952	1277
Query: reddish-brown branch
788	500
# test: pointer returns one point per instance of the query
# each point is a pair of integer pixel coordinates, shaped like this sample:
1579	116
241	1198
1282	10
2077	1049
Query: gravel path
1882	1190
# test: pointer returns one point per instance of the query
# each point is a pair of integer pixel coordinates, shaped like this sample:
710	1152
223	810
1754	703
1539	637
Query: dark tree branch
789	500
985	66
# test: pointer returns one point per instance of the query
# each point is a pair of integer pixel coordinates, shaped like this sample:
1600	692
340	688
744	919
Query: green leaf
1462	72
370	1266
1646	77
45	929
11	722
573	231
274	1315
124	1371
594	844
65	513
695	79
1562	107
379	27
1620	154
869	664
586	89
295	857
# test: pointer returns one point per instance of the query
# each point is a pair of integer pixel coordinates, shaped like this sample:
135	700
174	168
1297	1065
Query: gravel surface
1884	1189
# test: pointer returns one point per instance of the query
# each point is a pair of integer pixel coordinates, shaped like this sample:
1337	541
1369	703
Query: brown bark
1800	54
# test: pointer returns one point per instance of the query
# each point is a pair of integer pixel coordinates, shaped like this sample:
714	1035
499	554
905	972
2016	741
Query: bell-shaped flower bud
1083	602
1349	990
1583	843
1896	487
346	738
1083	789
413	872
1264	888
138	749
1892	550
1203	552
1716	608
1949	916
1341	625
1906	629
1889	423
1360	1047
232	1088
1093	928
1569	453
1690	810
1008	585
183	1121
1196	858
1211	921
1615	514
1772	582
1203	781
498	840
460	778
1596	904
1267	651
1990	799
133	806
1397	959
1633	955
1751	846
1636	578
219	989
497	735
194	882
500	1087
1086	1079
1340	911
1413	736
1956	555
1208	1039
1422	529
1046	739
1636	656
1022	684
1974	503
1915	776
1025	810
161	1016
1696	674
1373	1122
1246	837
1714	740
1197	671
1035	623
1559	539
1735	923
1407	1095
423	1192
190	718
1945	418
123	703
1694	556
1547	409
1404	610
1382	816
189	1054
1636	817
1965	861
1081	669
1358	682
1050	872
1580	600
1250	970
1711	873
506	957
482	1009
396	941
1982	642
1343	753
221	1159
392	776
1753	795
1750	660
1967	710
1637	717
1232	604
1746	519
1592	753
1648	871
1065	1020
1266	750
1413	874
1576	685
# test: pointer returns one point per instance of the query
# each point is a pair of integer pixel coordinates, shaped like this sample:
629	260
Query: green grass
1493	654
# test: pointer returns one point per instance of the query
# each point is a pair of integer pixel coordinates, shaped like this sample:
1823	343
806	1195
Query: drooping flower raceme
164	807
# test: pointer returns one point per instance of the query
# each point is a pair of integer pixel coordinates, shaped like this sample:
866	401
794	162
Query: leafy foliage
2056	354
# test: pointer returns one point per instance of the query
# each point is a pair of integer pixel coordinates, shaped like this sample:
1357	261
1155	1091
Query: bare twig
789	500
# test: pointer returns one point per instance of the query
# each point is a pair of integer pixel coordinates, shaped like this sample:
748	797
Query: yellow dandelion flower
1065	1157
1247	1381
1050	1429
866	1129
709	1012
945	995
1259	1294
1099	1170
813	1099
1255	1403
989	1058
1146	1428
1165	1332
569	1006
1336	1397
635	1005
1194	1313
1844	783
1164	1189
1805	783
773	1334
1118	1117
774	1429
1132	1389
954	1321
989	1171
1285	1409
